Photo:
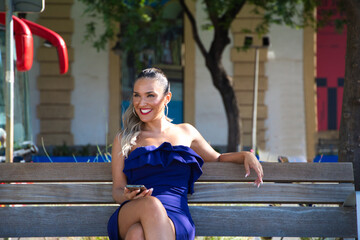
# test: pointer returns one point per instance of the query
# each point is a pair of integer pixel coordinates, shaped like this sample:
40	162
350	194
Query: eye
135	95
151	95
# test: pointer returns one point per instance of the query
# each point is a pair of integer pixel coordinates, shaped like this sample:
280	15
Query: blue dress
171	171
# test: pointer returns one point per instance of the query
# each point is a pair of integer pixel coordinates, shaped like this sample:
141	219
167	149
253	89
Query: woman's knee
153	207
135	232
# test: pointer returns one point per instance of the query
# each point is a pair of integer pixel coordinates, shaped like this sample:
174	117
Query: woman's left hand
250	161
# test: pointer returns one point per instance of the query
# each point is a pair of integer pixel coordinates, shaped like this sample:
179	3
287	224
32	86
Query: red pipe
23	42
55	39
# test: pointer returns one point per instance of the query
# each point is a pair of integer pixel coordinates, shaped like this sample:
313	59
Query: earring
166	110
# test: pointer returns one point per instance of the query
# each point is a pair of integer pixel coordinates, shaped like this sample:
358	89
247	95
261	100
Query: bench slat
101	172
282	172
219	221
54	221
272	193
275	221
53	172
204	193
56	193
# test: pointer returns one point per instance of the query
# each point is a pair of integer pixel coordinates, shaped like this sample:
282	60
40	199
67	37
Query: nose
142	102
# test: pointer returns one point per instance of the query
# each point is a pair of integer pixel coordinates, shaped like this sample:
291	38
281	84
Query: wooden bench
74	199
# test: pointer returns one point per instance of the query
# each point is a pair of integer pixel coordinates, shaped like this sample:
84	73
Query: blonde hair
131	121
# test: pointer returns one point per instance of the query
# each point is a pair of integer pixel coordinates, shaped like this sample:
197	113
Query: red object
330	66
55	39
23	42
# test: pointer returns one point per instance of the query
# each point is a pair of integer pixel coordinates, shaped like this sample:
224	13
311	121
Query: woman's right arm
119	192
118	176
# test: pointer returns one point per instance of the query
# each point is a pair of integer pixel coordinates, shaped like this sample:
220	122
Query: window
22	131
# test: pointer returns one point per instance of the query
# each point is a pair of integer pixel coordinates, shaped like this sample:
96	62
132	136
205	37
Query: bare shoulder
116	146
198	143
117	139
187	128
190	131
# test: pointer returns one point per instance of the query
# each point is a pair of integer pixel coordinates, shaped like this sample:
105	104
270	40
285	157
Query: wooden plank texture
55	221
204	193
272	193
226	220
209	220
55	193
275	221
52	172
101	172
281	172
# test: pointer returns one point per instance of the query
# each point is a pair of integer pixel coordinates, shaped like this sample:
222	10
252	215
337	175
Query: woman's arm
119	192
203	148
249	160
117	166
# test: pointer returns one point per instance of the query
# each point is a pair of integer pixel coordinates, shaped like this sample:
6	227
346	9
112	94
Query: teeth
145	110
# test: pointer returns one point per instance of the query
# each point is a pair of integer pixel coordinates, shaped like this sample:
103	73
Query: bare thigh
135	232
144	209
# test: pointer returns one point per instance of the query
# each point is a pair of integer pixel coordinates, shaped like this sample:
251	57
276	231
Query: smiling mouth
145	111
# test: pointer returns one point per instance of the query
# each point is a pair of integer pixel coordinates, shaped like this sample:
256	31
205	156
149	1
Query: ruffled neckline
167	146
164	155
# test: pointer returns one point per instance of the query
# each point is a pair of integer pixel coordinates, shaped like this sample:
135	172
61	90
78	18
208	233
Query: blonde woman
164	157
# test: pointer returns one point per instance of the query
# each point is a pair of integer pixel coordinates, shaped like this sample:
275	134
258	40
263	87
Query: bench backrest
74	199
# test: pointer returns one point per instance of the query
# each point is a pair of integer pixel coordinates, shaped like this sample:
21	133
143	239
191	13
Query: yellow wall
243	76
55	110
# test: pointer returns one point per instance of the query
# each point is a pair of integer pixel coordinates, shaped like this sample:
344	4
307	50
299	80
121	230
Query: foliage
102	154
141	22
81	151
63	150
297	14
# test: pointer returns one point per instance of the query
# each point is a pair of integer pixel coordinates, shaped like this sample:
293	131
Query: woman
166	158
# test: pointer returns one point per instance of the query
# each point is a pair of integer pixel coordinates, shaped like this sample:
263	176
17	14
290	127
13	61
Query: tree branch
230	15
212	14
194	29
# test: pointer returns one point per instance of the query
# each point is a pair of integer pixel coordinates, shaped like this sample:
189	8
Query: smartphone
136	187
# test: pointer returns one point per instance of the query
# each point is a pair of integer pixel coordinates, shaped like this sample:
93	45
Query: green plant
102	154
63	150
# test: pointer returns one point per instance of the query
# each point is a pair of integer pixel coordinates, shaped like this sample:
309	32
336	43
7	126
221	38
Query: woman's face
149	100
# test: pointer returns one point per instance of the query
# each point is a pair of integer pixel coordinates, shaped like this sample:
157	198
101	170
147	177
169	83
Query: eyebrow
145	93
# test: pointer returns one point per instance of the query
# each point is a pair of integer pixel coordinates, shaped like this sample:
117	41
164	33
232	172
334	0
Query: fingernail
258	185
246	175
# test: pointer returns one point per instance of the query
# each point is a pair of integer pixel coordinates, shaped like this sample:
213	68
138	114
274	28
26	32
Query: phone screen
136	187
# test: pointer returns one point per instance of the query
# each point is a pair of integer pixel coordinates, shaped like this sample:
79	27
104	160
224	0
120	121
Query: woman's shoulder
187	127
187	130
117	138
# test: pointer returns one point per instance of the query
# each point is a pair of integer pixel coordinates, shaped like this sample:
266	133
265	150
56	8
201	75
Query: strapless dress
171	171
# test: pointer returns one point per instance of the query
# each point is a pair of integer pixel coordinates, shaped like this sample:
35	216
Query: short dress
171	171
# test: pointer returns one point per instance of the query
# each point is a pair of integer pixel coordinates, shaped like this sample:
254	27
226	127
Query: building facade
84	106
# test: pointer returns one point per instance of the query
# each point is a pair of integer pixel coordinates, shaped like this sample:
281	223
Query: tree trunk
218	74
233	117
222	82
349	144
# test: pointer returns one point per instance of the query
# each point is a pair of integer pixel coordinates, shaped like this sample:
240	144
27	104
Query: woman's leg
152	216
135	232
